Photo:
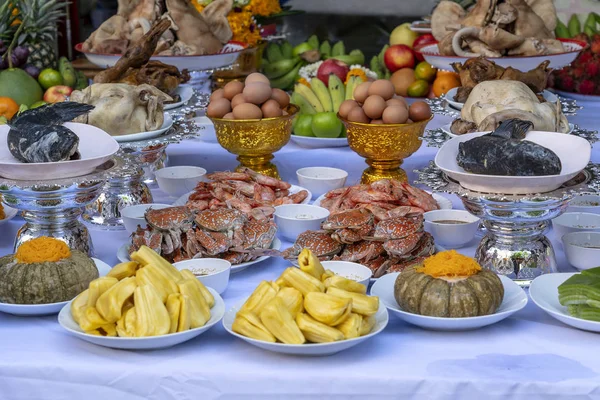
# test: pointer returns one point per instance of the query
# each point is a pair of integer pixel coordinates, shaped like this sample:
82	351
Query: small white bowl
582	249
293	219
575	222
451	235
589	203
320	180
134	215
212	272
349	270
177	181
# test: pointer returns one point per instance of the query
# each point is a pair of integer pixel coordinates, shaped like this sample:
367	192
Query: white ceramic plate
449	97
9	213
185	92
32	310
447	131
318	143
563	145
227	56
307	349
514	300
95	146
167	124
65	319
544	293
432	55
417	26
294	189
443	202
123	256
577	96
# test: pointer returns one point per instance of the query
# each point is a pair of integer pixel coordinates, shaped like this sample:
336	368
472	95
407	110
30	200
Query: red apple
57	94
421	41
399	56
332	66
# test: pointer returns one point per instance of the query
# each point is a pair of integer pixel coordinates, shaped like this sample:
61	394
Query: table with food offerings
528	355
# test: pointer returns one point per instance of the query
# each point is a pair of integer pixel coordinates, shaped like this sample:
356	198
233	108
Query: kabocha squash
44	270
448	284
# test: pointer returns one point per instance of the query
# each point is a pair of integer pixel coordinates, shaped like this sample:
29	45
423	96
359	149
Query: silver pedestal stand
52	207
515	244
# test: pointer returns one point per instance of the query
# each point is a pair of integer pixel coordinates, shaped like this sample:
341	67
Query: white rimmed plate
577	96
573	47
123	256
319	143
307	349
544	293
33	310
95	146
563	145
65	319
447	131
421	26
443	202
227	56
185	92
294	189
167	124
449	97
9	213
514	300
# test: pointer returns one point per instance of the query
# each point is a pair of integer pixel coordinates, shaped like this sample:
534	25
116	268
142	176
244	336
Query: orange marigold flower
264	8
303	81
356	72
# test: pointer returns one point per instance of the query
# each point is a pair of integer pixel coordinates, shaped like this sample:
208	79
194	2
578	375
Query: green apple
326	125
403	35
303	125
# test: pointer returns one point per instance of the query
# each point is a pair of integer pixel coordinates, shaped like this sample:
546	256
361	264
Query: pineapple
40	19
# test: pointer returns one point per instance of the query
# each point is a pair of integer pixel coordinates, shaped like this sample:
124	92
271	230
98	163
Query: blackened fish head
513	129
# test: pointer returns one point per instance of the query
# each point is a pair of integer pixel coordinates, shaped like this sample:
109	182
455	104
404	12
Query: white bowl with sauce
575	222
451	228
212	272
134	215
320	180
179	180
582	249
293	219
349	270
589	203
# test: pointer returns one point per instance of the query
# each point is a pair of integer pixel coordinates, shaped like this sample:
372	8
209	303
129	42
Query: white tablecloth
528	356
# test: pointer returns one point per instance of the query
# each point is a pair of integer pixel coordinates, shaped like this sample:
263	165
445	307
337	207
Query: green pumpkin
418	293
45	282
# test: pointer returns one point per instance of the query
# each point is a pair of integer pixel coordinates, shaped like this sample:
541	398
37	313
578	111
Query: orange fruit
8	107
445	82
441	72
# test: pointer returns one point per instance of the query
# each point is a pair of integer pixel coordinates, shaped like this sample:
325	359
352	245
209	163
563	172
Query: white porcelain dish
95	146
319	143
294	189
167	124
589	203
36	310
179	180
544	293
421	26
185	92
207	129
320	180
212	272
451	235
443	203
432	55
575	222
449	97
293	219
307	349
65	319
9	213
134	215
563	145
447	131
227	56
350	270
514	300
578	96
582	249
123	256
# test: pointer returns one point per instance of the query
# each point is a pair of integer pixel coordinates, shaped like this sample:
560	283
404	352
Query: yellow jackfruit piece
317	332
263	294
153	276
145	255
361	303
310	264
281	283
279	321
151	315
126	325
351	326
124	270
91	319
187	274
79	304
326	308
292	299
99	286
178	307
199	309
110	303
328	273
367	325
345	284
104	330
302	281
249	325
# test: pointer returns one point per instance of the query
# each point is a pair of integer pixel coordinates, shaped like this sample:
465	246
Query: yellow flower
303	81
242	25
356	72
264	8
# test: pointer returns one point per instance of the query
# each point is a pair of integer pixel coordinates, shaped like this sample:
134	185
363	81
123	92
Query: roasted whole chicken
496	28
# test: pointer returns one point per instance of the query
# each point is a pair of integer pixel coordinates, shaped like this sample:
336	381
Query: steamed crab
319	242
349	226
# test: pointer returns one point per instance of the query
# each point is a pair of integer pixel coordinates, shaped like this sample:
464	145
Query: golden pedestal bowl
384	147
255	140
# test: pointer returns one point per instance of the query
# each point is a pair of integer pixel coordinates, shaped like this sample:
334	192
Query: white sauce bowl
134	215
215	272
320	180
451	235
353	271
575	222
177	181
582	249
293	219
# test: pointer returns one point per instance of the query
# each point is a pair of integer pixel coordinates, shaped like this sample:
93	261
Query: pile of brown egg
376	103
253	99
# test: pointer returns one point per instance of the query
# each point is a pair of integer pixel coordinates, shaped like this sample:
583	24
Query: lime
326	125
425	71
19	86
418	88
50	77
303	125
38	104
